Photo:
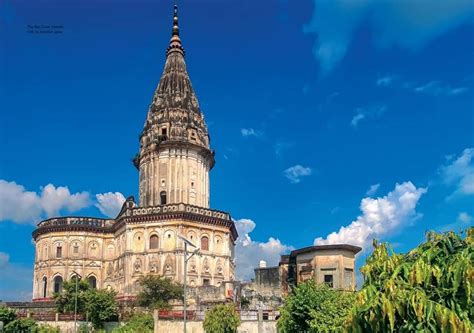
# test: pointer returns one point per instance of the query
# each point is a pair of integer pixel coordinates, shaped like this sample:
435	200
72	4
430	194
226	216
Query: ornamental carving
137	266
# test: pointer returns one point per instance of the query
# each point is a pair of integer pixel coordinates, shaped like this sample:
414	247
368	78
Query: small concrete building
332	264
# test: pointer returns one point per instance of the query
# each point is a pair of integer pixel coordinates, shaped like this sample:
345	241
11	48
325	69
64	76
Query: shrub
221	319
315	307
22	325
143	323
46	329
7	315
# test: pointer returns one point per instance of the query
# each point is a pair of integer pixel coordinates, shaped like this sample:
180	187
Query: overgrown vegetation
429	289
143	323
7	315
315	307
221	319
157	292
98	305
21	325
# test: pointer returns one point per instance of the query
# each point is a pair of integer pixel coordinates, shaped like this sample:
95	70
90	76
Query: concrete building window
206	282
58	284
163	131
163	197
76	248
59	252
153	242
92	282
329	280
45	286
205	243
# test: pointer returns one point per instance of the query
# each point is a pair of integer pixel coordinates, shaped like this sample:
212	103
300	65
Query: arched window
205	243
74	277
163	197
45	286
153	242
58	284
92	282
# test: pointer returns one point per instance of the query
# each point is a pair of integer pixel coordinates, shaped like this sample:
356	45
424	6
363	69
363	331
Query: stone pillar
156	320
260	321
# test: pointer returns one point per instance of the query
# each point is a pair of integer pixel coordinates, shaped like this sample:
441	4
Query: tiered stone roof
174	102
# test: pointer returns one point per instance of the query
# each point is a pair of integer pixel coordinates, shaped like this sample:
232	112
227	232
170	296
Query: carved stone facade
174	161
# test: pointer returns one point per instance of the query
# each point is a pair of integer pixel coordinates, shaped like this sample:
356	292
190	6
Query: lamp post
75	302
186	259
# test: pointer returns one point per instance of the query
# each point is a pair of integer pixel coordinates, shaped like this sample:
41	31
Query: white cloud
246	132
384	81
22	206
357	117
437	88
54	199
372	189
380	216
407	24
295	173
110	203
464	217
372	111
460	173
248	252
4	258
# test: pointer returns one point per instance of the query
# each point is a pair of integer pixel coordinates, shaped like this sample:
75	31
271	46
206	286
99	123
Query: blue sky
316	110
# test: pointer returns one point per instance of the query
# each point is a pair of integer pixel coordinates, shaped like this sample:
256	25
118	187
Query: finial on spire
175	42
175	22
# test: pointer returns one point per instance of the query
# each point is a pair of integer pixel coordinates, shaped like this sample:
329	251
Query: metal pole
185	278
75	309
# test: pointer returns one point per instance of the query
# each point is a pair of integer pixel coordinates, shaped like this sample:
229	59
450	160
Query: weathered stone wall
174	326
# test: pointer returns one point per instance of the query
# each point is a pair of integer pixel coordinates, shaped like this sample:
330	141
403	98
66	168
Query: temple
173	161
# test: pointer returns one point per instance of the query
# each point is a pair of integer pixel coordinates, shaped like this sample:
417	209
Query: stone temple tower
174	161
175	157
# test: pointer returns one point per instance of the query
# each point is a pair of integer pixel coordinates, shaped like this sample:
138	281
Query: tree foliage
143	323
65	301
157	292
7	315
98	305
101	306
221	319
315	307
429	289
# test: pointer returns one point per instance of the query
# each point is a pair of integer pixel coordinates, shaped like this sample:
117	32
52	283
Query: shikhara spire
175	107
175	156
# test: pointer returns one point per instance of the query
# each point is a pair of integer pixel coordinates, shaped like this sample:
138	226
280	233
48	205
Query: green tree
7	315
142	323
221	319
156	292
100	306
315	307
429	289
22	325
65	301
